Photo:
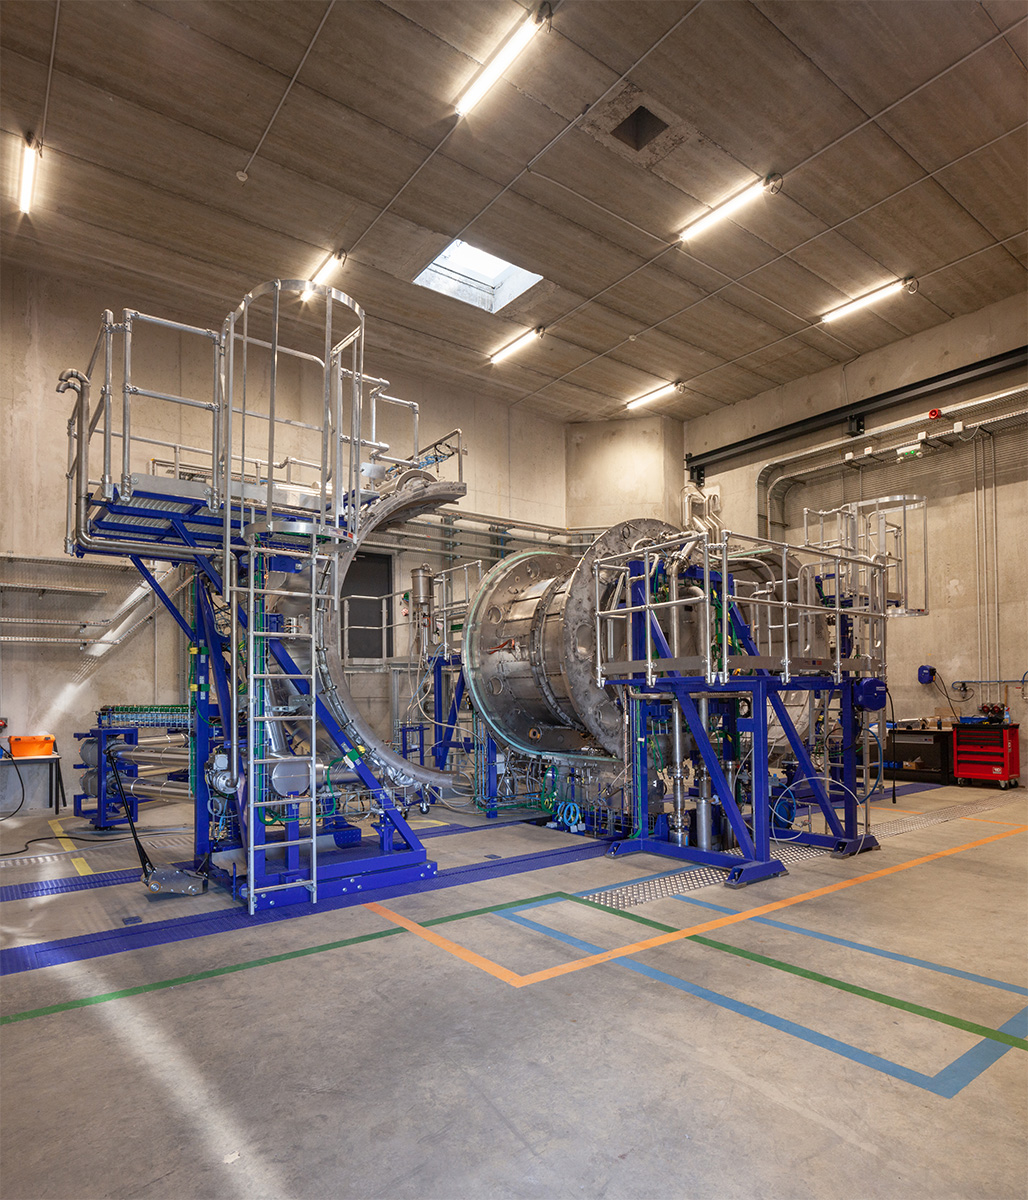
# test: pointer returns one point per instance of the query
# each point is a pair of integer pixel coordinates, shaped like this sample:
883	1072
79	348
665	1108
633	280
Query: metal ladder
264	740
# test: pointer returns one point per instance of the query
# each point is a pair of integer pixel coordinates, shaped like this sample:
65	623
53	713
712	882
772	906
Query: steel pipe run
169	757
141	789
530	648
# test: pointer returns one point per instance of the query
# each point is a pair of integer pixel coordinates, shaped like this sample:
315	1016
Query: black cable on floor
7	816
77	837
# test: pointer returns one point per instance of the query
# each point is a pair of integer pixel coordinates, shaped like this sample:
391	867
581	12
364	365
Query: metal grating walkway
692	878
909	824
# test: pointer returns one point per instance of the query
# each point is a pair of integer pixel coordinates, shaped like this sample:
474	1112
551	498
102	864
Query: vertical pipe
995	570
272	399
231	586
725	605
69	545
677	829
107	480
126	418
703	805
977	558
986	616
242	415
707	664
338	491
228	336
326	422
786	668
216	418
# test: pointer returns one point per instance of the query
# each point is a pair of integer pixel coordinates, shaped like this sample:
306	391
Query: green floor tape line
269	960
1008	1039
213	973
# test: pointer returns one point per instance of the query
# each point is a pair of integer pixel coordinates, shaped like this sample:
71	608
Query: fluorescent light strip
518	344
500	61
890	289
665	390
321	275
724	210
28	175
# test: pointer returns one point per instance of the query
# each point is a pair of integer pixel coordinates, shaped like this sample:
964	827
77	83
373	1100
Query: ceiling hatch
475	277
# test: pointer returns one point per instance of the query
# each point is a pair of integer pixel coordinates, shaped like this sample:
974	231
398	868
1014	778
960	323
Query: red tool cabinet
986	752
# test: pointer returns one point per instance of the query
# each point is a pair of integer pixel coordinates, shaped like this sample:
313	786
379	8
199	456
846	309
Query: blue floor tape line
945	1083
15	959
865	949
81	883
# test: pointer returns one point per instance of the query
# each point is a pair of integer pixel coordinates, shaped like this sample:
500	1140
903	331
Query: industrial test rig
688	692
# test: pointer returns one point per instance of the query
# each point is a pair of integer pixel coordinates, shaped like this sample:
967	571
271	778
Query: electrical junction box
925	674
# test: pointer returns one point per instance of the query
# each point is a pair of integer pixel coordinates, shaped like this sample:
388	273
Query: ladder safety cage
268	478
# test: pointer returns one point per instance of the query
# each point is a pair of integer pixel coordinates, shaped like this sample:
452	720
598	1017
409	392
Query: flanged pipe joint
530	648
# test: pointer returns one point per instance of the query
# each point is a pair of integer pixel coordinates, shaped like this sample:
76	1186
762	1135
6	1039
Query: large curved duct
416	493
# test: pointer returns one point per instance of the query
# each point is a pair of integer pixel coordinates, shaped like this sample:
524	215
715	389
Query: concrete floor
416	1064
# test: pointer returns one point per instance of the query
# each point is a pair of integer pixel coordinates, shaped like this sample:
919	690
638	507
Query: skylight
476	277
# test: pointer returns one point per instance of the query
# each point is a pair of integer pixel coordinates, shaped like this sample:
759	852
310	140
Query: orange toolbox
31	746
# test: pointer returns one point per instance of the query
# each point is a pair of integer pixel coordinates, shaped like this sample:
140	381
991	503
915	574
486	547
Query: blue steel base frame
764	689
396	856
105	810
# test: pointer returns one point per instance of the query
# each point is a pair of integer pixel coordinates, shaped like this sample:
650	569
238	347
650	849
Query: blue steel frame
445	728
107	809
395	857
754	860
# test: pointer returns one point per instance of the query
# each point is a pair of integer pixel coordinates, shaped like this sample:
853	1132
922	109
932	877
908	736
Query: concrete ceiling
898	128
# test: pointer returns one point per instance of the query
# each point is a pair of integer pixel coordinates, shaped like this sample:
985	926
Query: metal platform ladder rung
268	674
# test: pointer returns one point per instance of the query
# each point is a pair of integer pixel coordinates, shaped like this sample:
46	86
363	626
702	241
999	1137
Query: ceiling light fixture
335	259
664	390
518	344
501	60
28	173
890	289
772	184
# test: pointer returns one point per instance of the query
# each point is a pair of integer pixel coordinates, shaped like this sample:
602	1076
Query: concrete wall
948	637
622	469
515	467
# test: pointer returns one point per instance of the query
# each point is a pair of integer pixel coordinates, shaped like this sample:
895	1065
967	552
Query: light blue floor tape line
865	949
946	1083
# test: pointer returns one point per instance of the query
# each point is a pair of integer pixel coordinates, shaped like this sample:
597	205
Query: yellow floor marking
79	864
62	841
469	956
421	821
664	939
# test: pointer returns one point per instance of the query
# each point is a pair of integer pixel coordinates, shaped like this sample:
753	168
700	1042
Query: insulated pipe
703	804
150	790
170	757
163	739
677	828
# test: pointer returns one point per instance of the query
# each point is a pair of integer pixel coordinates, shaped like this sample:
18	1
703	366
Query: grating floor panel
693	878
909	824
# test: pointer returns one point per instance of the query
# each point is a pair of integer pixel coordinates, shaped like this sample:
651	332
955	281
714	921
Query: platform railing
697	607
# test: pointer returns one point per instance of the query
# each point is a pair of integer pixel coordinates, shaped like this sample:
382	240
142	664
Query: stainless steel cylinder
530	648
